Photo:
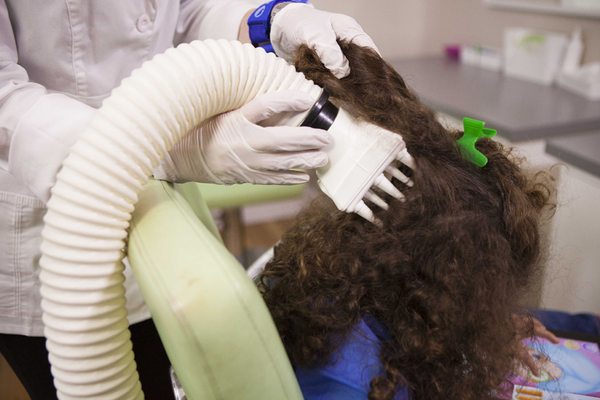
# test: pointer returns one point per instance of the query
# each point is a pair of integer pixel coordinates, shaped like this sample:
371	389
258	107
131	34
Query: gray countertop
582	151
518	109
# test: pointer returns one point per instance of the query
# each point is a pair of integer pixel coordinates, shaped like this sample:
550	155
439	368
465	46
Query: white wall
572	278
397	27
416	27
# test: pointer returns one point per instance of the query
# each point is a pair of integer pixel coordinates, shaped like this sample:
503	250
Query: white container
481	56
470	55
574	52
532	55
585	81
491	60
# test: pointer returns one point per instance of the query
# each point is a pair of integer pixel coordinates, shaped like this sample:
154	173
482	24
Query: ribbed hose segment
88	214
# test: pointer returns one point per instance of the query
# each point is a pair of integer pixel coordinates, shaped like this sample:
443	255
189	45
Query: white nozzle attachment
322	114
358	156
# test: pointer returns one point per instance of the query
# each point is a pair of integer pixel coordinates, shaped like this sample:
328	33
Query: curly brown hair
443	274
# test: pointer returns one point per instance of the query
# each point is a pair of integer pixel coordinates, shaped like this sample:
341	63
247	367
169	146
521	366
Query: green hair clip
474	130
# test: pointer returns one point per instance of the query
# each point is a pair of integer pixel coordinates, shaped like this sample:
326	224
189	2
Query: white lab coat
58	60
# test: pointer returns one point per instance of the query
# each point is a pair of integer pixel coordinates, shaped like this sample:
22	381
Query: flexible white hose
88	214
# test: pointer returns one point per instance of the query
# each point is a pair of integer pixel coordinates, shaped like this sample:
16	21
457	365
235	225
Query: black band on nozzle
322	114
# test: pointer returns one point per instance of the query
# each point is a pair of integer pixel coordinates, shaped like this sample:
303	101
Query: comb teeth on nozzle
359	155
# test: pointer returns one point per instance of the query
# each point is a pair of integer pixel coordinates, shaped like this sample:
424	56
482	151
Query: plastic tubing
90	208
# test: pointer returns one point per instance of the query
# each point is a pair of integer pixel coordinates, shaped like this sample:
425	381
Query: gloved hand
298	24
231	148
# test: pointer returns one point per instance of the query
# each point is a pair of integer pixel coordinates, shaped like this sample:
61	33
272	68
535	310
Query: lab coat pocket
21	222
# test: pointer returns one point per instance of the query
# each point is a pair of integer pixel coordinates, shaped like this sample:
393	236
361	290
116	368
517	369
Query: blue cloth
356	363
588	324
349	373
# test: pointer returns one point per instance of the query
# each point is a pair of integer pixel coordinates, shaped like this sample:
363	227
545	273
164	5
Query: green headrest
211	318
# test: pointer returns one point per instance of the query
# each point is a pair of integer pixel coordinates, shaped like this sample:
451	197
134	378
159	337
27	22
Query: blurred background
529	68
405	28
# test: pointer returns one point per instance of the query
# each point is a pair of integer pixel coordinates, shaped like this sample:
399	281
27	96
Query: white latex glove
231	148
298	24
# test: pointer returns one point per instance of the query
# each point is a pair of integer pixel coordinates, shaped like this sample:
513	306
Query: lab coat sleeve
216	19
37	128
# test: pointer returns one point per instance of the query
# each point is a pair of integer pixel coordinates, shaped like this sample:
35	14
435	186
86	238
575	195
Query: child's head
442	274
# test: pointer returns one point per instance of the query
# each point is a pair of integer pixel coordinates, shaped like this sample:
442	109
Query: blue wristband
259	24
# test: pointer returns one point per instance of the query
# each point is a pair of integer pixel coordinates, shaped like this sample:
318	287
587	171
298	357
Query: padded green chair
231	199
211	318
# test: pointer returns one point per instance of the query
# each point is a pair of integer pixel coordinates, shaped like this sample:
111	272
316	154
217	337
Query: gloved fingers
298	24
288	162
348	29
330	54
279	177
288	139
266	105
